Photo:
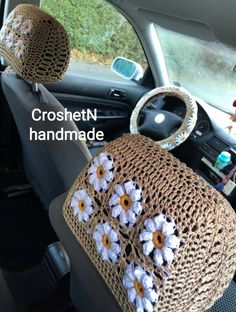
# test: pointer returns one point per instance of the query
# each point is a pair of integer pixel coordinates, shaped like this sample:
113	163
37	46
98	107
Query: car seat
36	47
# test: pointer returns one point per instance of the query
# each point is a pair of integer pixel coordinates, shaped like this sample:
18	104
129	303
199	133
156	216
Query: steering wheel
166	128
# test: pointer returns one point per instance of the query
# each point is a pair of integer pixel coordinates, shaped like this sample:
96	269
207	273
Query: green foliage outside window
98	33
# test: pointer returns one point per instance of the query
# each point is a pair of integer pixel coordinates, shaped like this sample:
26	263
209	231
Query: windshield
206	69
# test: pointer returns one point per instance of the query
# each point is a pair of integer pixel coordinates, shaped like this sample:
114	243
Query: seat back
37	48
87	289
50	166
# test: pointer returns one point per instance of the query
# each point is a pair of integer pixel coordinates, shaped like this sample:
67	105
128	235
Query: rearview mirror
127	69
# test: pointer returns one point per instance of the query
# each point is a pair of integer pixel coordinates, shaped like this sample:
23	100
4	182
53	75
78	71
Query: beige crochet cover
35	44
205	261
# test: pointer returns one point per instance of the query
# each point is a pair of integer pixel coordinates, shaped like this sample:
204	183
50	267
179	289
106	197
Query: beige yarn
206	260
45	47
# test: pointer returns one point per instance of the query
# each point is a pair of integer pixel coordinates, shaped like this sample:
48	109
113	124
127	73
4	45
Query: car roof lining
184	26
212	20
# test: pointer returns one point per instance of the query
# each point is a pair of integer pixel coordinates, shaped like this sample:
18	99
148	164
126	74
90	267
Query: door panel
113	97
111	115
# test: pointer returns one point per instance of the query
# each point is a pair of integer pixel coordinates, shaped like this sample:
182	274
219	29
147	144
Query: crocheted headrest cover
34	44
161	238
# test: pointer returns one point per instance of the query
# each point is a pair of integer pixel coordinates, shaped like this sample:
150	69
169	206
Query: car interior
43	264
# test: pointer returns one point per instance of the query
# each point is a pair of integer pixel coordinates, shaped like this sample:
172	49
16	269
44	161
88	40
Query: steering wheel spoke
159	124
160	102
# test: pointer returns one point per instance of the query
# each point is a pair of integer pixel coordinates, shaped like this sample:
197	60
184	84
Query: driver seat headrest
35	45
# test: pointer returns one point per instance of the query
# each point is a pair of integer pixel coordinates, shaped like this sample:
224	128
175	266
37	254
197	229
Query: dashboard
203	146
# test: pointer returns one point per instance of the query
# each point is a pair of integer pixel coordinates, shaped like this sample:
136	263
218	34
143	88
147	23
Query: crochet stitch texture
200	223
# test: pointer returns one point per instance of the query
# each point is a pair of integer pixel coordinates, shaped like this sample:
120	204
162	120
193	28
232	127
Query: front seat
37	49
144	233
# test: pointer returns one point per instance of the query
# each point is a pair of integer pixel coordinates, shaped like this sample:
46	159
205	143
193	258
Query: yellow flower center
100	172
81	205
125	202
106	241
139	288
158	239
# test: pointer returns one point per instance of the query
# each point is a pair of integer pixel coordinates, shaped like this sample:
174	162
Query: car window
205	68
98	33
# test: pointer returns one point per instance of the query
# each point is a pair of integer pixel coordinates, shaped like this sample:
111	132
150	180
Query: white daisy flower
82	205
167	146
107	242
3	33
158	236
10	41
126	203
181	138
191	123
10	17
19	48
101	172
140	288
194	106
26	28
17	22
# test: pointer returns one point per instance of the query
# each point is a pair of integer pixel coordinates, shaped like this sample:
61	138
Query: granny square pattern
160	236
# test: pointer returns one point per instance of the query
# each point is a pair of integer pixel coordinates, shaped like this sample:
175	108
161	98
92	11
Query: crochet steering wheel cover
189	120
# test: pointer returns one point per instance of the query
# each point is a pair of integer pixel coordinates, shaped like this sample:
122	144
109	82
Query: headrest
160	236
35	45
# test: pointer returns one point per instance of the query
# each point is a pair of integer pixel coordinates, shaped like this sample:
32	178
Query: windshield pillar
158	61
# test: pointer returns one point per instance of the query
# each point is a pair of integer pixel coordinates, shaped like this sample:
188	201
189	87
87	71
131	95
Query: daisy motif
27	26
167	146
126	202
19	48
17	22
82	205
159	236
107	242
3	33
10	41
140	288
191	123
101	172
194	107
181	138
